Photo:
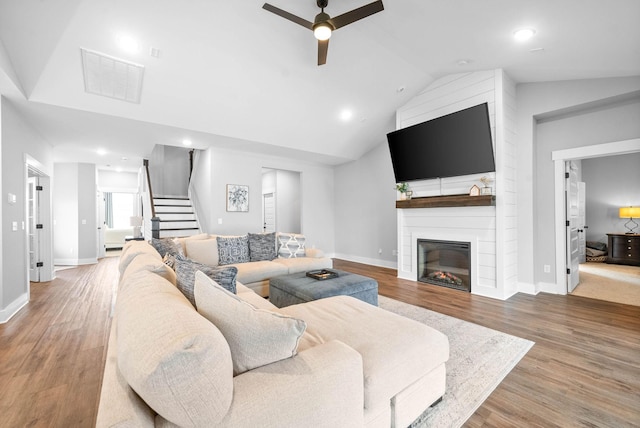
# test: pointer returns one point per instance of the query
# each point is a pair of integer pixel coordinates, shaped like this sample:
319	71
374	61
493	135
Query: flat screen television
448	146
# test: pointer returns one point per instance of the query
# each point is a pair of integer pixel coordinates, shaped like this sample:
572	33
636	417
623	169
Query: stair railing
151	223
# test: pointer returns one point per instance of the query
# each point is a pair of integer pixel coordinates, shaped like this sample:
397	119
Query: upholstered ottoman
297	288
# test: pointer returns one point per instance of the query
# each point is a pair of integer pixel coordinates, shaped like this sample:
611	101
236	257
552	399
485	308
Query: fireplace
445	263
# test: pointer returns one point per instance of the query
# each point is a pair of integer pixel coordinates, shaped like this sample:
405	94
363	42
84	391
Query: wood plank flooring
584	370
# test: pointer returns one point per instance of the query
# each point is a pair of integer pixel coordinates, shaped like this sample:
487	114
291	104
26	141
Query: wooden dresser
624	249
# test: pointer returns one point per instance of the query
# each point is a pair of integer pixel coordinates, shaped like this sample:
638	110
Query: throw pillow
256	337
262	246
186	273
291	245
167	246
233	249
203	251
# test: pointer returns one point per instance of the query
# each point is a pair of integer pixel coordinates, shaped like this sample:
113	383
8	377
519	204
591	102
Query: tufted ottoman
286	290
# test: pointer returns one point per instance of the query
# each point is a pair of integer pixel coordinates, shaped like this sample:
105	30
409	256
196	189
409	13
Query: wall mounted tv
448	146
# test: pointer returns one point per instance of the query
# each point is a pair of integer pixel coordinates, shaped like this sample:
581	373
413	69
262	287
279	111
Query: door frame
47	272
559	158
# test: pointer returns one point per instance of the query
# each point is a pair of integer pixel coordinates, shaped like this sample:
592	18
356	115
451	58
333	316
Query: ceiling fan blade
323	48
356	14
286	15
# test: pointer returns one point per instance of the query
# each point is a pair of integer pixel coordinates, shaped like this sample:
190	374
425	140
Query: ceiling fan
323	24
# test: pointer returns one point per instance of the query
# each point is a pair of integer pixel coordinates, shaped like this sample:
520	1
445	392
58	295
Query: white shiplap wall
491	230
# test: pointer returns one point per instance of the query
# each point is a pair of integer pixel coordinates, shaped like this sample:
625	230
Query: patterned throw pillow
262	246
291	245
186	275
233	249
166	246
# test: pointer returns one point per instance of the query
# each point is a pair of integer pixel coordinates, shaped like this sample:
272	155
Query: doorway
281	201
560	158
39	236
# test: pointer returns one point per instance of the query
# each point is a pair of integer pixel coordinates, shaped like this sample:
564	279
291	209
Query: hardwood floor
584	369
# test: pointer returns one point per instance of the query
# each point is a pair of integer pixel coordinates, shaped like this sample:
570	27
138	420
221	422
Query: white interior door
32	229
101	226
269	213
573	218
582	222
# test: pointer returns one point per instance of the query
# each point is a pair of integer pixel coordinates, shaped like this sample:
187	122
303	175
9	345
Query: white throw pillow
256	337
204	251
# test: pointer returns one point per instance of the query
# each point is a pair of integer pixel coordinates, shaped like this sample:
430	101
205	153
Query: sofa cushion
184	374
167	246
304	264
150	263
233	249
258	271
131	250
262	337
388	343
186	275
183	240
262	246
291	245
203	251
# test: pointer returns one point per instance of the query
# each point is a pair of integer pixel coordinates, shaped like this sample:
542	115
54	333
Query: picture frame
237	198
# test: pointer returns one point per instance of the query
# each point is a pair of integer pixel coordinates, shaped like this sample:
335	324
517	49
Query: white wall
288	201
571	114
113	181
219	167
74	214
169	171
17	140
365	214
611	182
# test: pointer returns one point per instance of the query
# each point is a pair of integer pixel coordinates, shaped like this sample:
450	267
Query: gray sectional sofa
235	360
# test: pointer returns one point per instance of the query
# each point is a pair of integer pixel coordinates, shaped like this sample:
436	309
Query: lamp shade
629	212
135	221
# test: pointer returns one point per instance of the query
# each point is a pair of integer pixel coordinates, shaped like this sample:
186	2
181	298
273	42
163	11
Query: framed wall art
237	198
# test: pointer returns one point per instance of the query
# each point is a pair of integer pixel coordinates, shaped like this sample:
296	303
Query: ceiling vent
111	77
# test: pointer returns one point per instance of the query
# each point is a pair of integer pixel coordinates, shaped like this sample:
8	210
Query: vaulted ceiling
231	74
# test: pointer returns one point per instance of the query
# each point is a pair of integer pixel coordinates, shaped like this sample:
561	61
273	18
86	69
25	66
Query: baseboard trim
527	288
549	287
75	262
14	307
368	261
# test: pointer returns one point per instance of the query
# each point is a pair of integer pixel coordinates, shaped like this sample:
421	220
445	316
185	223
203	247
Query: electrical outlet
394	252
547	268
380	251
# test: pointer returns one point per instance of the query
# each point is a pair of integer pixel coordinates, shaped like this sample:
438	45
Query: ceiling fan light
322	31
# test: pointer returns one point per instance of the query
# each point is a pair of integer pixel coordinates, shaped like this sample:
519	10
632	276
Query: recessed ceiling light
400	89
346	115
101	152
186	143
524	34
128	44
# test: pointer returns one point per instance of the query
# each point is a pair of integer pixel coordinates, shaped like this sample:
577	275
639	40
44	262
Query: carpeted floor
610	282
480	358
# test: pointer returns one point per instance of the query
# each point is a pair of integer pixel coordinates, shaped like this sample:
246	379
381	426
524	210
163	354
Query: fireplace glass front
445	263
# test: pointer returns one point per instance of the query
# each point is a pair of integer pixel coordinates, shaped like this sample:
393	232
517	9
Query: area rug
480	358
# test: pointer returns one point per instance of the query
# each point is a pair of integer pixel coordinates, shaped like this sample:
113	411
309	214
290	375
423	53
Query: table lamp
136	223
630	213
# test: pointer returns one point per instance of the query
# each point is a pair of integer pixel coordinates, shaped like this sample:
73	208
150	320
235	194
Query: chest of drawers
624	249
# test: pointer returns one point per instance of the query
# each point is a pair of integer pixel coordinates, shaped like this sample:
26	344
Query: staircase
176	218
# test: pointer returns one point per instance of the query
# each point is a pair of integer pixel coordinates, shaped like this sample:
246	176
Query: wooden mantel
448	201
